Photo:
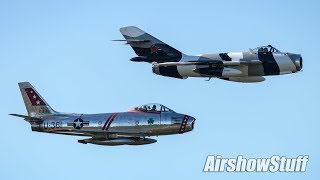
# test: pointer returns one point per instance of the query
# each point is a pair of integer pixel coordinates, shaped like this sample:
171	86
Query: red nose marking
183	124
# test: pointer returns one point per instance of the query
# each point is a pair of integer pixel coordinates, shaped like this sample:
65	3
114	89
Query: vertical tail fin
148	46
34	103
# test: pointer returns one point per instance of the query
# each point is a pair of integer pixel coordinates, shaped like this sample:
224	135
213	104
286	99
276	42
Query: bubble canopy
268	48
152	108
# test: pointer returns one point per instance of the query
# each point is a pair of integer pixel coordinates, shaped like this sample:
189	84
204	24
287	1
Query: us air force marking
78	123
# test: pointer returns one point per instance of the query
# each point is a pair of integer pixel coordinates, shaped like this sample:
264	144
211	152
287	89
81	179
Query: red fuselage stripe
110	121
105	124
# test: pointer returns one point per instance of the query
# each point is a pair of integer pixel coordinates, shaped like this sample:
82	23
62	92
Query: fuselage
248	66
135	123
234	65
271	64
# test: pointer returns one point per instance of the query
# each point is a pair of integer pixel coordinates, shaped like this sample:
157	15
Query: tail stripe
33	101
34	98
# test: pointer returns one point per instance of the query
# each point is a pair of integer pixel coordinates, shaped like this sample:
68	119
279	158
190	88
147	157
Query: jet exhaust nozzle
155	68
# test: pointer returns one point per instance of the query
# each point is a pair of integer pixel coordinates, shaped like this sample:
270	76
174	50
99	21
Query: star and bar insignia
78	123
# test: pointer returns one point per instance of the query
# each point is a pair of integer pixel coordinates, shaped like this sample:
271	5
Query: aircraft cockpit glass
153	107
265	49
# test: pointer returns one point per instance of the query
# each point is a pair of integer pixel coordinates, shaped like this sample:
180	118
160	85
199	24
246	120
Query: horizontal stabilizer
28	118
131	40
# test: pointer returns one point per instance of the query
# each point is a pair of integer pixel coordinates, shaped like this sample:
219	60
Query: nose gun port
192	120
298	62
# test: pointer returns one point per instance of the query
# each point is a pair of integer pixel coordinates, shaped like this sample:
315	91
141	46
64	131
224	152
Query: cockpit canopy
152	108
264	49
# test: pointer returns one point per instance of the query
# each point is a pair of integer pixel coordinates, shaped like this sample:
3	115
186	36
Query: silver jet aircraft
119	128
248	66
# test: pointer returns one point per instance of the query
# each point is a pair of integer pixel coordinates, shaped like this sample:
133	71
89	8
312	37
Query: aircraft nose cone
191	122
183	122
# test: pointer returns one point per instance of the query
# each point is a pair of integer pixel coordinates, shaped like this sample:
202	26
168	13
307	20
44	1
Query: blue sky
64	50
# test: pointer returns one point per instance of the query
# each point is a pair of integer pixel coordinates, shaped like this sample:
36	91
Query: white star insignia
34	96
78	123
38	102
31	91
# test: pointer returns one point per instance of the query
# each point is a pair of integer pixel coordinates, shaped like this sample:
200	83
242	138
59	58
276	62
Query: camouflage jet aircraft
248	66
124	128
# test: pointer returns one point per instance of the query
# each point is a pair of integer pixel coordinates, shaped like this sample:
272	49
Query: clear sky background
64	50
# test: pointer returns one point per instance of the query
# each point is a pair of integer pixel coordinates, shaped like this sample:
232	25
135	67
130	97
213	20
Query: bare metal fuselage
122	124
125	128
